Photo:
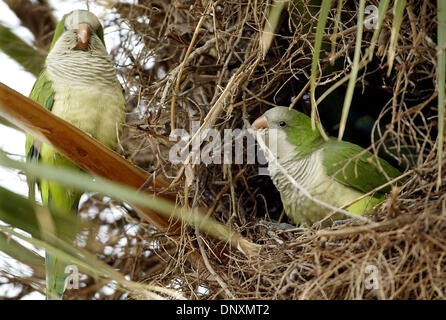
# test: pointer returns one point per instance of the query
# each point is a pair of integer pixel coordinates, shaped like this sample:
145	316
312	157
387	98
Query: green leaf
21	213
28	216
398	10
354	72
323	15
25	255
441	75
382	9
24	54
74	179
267	35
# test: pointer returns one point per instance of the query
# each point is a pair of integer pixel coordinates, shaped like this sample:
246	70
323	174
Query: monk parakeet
321	167
78	84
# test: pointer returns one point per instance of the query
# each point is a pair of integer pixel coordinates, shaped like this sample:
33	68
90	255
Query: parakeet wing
42	93
363	173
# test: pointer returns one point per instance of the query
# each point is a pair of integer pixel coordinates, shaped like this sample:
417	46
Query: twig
183	64
209	267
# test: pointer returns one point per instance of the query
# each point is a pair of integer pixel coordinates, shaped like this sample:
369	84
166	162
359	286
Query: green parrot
79	84
321	167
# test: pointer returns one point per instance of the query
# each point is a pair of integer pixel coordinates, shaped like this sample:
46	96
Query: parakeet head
79	30
292	128
78	57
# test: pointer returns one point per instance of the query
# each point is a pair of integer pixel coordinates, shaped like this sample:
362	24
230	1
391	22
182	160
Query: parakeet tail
55	268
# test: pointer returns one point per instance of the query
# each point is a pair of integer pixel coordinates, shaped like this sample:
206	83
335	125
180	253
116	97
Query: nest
183	61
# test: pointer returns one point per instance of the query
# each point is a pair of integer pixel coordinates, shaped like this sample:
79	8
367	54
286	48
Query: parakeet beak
260	123
83	33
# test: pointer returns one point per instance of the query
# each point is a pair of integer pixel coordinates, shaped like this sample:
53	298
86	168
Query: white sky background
13	75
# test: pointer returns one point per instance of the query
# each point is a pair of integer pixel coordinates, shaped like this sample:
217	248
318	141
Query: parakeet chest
87	92
97	111
310	174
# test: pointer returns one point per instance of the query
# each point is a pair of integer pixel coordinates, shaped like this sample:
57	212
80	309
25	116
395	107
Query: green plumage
53	195
79	85
363	174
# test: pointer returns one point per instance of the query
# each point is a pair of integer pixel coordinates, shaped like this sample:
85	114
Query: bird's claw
337	223
276	226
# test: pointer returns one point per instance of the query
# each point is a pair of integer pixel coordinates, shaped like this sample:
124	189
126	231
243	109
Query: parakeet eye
282	124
